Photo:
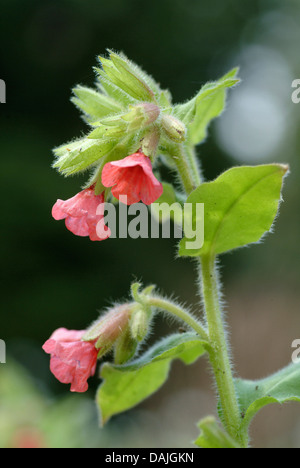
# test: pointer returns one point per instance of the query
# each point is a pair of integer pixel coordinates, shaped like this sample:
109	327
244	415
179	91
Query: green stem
219	355
195	169
219	351
183	166
172	308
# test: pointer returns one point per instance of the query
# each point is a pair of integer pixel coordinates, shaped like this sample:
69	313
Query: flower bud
173	128
125	347
139	324
108	329
141	115
150	142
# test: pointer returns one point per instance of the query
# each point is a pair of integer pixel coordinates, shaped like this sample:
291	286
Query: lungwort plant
135	129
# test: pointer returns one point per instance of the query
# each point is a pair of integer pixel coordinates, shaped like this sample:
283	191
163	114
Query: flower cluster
130	117
131	177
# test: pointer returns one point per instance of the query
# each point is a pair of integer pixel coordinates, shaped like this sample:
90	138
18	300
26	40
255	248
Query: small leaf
165	99
105	131
122	73
138	71
212	436
111	90
280	388
126	386
206	106
94	104
81	154
240	207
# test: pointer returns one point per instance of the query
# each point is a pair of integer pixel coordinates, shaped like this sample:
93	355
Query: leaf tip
285	168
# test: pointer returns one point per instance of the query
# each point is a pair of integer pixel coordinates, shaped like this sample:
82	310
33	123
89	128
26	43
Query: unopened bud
150	142
125	347
107	330
142	115
139	324
173	128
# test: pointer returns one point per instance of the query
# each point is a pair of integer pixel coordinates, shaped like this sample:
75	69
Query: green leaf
81	154
122	73
240	207
206	106
106	131
280	388
212	436
94	104
165	99
121	61
126	386
110	89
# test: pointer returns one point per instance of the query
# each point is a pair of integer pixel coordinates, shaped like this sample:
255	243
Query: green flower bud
142	115
125	348
119	125
139	324
150	142
173	128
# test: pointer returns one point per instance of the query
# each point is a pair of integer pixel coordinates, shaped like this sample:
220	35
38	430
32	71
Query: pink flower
83	213
132	177
27	438
72	361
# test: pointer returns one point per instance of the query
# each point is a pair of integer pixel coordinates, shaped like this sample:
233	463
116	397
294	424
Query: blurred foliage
30	419
49	277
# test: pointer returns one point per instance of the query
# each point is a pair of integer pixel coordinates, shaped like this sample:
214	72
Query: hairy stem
187	176
219	351
174	309
219	355
195	169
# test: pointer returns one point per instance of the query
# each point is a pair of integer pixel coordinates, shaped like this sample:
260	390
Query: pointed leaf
126	386
121	73
240	207
121	61
96	105
111	90
280	388
206	106
81	154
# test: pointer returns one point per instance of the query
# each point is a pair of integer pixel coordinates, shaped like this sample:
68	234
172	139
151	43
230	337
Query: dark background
50	278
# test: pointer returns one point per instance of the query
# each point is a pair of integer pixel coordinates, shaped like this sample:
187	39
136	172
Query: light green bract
280	388
240	207
126	386
212	436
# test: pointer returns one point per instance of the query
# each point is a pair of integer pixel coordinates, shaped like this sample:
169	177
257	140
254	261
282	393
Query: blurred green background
50	278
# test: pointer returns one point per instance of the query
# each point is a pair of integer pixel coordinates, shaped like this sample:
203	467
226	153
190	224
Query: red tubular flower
82	214
72	361
132	177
